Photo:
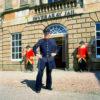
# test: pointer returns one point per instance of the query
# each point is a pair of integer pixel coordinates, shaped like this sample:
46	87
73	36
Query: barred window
97	40
16	46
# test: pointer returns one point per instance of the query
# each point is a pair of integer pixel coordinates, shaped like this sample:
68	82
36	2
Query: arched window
56	29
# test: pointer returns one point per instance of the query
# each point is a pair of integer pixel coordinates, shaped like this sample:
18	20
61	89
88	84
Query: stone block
72	31
81	20
76	35
76	26
81	30
84	25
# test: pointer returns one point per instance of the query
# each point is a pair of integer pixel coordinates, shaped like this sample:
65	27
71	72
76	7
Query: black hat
28	46
81	42
46	32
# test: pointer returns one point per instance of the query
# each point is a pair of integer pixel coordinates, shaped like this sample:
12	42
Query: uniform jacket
46	48
82	52
29	56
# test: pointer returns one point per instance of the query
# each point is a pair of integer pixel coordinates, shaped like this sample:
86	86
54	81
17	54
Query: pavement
67	85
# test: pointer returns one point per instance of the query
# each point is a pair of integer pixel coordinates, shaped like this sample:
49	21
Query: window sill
16	60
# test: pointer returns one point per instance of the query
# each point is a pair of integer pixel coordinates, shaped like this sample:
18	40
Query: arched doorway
59	33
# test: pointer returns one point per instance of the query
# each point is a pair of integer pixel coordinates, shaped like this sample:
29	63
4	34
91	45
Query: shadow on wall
75	63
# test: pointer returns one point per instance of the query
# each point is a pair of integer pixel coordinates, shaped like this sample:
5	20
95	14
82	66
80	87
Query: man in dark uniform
48	50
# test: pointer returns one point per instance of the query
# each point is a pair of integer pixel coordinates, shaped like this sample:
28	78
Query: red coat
82	52
29	56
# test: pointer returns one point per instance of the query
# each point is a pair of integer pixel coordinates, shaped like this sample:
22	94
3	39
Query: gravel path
67	85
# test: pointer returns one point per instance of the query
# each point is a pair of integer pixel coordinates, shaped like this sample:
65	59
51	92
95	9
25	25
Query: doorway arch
56	28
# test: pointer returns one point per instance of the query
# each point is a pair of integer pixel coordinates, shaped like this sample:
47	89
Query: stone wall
80	27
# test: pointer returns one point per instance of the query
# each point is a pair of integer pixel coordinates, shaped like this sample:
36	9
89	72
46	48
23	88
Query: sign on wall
55	15
52	15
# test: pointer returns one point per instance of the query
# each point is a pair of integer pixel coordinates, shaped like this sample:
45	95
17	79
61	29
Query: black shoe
37	91
48	88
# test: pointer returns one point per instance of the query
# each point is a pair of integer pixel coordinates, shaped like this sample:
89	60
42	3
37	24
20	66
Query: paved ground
67	85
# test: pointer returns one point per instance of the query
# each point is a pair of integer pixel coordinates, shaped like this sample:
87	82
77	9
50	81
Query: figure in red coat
29	58
82	53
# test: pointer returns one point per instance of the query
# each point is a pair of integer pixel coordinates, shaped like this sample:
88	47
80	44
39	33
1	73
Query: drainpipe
2	48
2	42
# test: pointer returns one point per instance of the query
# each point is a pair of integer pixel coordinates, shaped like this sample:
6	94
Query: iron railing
40	6
63	4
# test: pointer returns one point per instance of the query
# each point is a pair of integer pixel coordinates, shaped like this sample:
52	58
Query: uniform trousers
38	84
82	65
29	66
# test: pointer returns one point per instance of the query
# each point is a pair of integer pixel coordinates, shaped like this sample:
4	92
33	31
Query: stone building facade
22	22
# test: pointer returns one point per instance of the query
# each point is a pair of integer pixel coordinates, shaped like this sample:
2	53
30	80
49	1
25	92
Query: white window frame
12	59
97	56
